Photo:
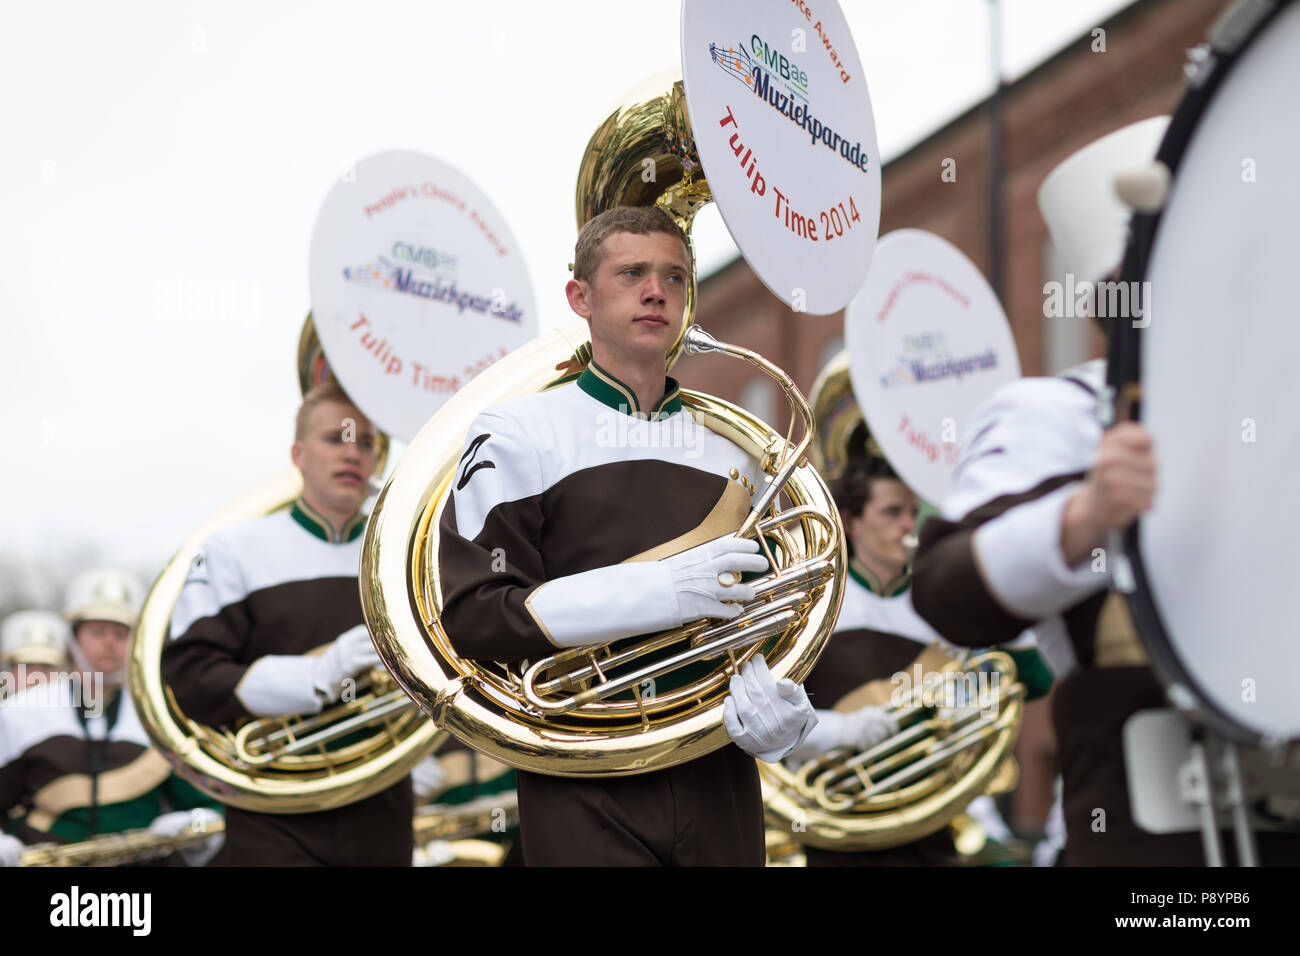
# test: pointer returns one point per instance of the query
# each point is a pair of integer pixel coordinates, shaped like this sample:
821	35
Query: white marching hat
103	594
34	637
1085	216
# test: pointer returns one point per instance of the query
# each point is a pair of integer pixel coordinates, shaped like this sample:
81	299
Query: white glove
765	717
858	731
427	778
865	728
642	597
11	850
301	683
352	653
197	820
436	853
984	811
697	591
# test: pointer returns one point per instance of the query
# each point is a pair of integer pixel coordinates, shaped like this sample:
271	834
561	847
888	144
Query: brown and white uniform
278	586
73	766
991	565
566	481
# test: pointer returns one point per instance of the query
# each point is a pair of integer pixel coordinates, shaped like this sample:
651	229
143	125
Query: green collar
317	524
608	390
858	572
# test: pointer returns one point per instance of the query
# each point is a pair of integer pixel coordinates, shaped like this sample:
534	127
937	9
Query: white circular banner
417	285
928	341
784	128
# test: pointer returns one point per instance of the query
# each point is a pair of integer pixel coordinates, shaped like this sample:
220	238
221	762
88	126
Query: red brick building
1066	102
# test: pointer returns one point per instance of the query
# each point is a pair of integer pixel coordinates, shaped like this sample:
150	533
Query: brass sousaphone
587	711
283	764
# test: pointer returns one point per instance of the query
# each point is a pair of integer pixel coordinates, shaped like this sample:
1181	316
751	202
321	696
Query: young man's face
888	516
636	300
336	471
104	644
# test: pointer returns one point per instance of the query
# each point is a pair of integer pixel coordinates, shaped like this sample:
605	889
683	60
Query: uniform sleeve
11	772
208	655
990	565
489	556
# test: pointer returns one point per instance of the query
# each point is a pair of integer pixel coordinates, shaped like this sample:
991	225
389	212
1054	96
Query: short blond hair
327	391
640	220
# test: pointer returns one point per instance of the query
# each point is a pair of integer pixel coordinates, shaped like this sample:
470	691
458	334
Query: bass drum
1208	368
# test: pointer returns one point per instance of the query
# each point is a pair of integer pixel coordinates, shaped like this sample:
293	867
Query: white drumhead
763	78
1221	394
417	285
928	341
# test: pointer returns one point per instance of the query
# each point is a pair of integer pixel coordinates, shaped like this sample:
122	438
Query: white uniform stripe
549	436
44	711
1030	430
255	555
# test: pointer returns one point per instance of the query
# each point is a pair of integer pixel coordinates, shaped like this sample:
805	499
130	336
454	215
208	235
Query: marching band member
550	539
260	598
33	647
877	635
74	758
1036	493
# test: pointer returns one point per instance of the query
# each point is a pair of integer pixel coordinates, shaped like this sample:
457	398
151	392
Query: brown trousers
375	831
708	812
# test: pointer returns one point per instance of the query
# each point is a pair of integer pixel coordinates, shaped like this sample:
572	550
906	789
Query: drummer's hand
1120	487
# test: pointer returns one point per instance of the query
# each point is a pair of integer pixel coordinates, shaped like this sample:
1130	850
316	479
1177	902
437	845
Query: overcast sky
163	165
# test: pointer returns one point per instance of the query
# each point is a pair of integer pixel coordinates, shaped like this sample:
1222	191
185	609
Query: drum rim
1124	372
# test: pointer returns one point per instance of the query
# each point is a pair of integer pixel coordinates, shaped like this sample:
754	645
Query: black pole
997	252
